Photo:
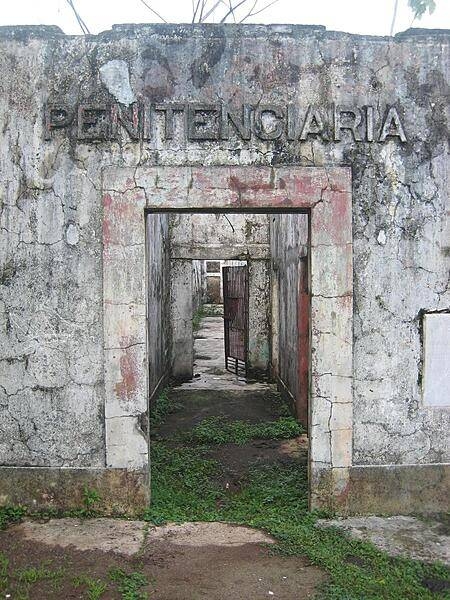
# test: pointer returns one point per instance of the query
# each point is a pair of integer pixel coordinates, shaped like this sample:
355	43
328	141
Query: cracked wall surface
52	393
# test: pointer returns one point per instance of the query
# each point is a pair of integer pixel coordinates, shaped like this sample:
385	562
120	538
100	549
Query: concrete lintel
252	251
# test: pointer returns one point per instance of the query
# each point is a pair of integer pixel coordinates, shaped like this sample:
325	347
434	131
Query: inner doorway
235	318
220	322
231	409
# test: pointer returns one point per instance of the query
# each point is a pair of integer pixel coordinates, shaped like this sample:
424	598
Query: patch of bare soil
115	535
237	460
195	405
24	554
193	561
215	572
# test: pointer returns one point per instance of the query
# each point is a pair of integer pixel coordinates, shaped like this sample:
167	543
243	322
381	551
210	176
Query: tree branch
81	23
252	14
153	11
394	16
232	9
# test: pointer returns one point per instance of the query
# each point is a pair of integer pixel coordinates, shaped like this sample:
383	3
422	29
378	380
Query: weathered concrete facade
96	130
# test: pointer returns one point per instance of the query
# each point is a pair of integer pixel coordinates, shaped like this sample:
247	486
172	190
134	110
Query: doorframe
323	191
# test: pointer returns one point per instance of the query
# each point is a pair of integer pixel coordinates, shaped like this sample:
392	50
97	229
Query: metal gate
235	313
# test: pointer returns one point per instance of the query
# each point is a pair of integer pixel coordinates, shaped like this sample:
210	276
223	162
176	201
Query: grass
10	515
162	406
129	584
273	498
217	430
205	311
95	588
197	318
30	575
19	583
185	487
22	580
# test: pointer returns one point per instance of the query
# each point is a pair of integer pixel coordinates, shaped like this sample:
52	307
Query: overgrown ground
188	486
214	467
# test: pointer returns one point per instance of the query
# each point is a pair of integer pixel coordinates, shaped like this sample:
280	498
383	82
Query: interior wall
198	284
288	243
158	314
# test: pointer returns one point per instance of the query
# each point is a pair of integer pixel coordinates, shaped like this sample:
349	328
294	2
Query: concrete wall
225	236
52	395
158	313
198	283
289	242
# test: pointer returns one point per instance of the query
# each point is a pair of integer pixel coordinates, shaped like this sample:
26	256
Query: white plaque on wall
436	368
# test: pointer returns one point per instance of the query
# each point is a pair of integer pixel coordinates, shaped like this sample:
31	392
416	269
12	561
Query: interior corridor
209	358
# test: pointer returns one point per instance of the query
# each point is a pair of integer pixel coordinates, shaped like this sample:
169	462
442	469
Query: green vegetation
4	563
19	583
129	584
162	406
10	515
197	318
212	310
95	588
186	487
90	498
208	310
22	580
217	430
42	572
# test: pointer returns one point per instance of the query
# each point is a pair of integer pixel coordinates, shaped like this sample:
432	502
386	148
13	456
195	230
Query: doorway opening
133	366
233	321
220	321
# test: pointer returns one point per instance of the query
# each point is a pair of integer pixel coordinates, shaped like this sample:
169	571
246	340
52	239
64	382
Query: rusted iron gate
235	312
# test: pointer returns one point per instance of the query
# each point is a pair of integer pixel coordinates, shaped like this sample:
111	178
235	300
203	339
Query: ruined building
328	154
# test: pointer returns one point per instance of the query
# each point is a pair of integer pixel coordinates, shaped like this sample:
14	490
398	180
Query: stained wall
53	194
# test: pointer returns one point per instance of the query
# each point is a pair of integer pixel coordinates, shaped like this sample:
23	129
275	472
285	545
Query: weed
10	515
197	318
4	564
213	310
217	430
90	499
30	575
129	584
95	587
162	406
274	499
183	487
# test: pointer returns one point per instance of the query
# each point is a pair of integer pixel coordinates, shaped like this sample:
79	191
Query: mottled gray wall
51	397
199	283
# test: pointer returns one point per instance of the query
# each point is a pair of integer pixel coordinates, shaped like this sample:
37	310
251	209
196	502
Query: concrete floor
209	361
421	539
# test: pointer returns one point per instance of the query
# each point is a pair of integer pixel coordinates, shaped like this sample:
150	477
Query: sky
372	17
